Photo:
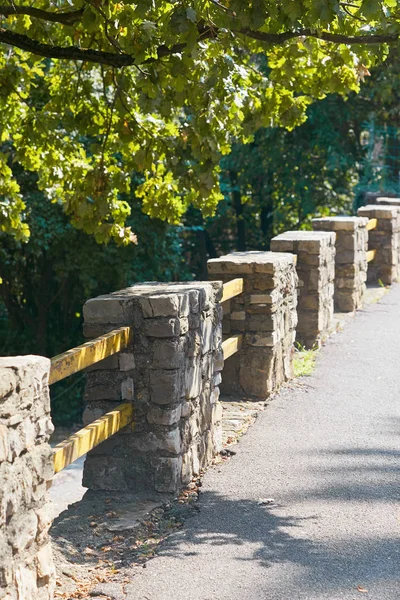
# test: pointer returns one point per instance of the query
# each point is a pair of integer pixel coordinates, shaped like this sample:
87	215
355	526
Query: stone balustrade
265	313
351	259
171	372
385	239
315	267
26	470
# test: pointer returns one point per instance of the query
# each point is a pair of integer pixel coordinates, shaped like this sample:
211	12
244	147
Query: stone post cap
27	374
310	241
378	212
26	361
156	299
386	200
242	263
344	223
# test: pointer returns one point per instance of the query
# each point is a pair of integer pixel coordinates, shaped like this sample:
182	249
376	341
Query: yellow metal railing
231	345
71	362
88	354
372	224
91	436
231	289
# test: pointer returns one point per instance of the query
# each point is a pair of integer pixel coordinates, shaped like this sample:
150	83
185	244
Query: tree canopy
94	90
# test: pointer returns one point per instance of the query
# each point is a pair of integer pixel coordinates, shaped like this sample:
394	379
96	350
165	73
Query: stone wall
171	373
265	313
385	239
26	471
315	267
351	259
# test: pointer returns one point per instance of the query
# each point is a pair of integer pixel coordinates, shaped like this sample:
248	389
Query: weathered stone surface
160	306
170	373
351	259
106	309
165	386
162	328
26	470
265	313
164	416
315	268
126	361
168	354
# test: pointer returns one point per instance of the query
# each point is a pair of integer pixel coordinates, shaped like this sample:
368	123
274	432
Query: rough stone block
105	309
165	386
162	328
168	354
164	416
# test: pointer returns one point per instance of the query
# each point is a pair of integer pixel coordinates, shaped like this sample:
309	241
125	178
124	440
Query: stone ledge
307	241
250	262
340	223
378	212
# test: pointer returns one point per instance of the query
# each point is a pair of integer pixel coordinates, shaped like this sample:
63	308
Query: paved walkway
327	453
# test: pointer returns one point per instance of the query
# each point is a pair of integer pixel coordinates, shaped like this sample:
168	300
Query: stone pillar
26	471
350	261
170	373
265	313
315	267
385	239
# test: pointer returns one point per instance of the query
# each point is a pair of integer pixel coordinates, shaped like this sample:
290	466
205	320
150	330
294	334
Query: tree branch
65	18
337	38
64	52
124	60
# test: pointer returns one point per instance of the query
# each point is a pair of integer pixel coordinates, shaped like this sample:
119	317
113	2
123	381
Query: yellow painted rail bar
371	255
88	354
91	436
232	288
372	224
232	345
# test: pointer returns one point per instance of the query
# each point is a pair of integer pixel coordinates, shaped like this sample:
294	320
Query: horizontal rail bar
371	255
232	288
83	356
232	345
91	436
372	224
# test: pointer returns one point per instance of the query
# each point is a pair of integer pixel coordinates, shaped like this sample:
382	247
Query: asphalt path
308	509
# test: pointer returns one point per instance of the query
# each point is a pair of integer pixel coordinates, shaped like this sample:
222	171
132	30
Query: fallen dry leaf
361	589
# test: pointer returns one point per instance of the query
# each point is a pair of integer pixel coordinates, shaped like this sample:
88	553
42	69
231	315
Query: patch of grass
304	361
